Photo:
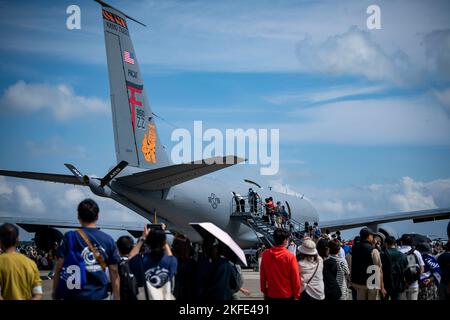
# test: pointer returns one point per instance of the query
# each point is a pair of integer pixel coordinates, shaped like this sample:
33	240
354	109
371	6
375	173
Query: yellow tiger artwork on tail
149	144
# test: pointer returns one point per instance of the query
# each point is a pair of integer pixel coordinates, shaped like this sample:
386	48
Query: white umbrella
208	228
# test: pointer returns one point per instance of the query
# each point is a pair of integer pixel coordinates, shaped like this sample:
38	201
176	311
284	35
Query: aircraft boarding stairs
258	223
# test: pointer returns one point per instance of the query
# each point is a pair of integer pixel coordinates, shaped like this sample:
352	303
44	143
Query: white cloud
330	206
59	201
416	120
27	202
339	207
355	206
443	97
71	197
278	186
60	100
399	120
406	194
324	95
412	196
5	189
229	36
355	53
55	146
437	46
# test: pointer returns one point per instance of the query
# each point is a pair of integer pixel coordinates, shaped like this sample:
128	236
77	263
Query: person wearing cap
393	263
279	272
379	239
364	258
311	266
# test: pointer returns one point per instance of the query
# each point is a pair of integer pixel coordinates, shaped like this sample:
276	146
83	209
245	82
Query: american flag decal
128	57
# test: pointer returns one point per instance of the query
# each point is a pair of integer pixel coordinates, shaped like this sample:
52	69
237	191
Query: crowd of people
43	259
370	267
90	265
273	213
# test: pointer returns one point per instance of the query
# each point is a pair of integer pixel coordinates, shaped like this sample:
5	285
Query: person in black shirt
185	284
216	279
330	270
128	282
393	264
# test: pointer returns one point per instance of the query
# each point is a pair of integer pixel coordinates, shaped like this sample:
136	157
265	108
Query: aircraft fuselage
206	199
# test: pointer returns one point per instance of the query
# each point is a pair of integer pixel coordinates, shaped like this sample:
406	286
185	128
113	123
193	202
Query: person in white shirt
412	291
311	272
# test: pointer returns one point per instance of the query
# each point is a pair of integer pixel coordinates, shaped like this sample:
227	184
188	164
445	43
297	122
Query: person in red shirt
279	272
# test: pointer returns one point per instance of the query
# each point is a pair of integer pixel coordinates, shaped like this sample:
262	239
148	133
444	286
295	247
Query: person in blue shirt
431	276
96	284
155	269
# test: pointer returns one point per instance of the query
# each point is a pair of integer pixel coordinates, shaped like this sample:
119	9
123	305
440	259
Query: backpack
128	282
72	277
393	274
158	284
159	293
412	271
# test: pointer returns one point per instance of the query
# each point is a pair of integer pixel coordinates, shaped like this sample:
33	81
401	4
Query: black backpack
128	283
412	271
393	273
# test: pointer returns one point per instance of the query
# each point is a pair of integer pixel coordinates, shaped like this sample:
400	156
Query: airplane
145	180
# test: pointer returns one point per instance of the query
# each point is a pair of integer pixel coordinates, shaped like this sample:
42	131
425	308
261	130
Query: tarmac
251	283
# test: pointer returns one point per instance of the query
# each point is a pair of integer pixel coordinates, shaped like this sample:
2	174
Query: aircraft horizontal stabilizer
60	178
166	177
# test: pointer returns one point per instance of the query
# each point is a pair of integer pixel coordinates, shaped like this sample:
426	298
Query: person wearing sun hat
311	267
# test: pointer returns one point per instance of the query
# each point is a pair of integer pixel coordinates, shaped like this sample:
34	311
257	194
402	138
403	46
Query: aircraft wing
162	178
61	178
416	216
36	224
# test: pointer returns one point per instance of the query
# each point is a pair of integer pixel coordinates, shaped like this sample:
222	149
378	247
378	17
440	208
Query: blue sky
364	115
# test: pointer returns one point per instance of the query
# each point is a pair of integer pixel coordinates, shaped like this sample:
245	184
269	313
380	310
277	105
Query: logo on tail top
109	16
149	144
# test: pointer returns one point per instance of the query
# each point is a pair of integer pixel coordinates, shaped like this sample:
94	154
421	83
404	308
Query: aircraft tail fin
135	134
